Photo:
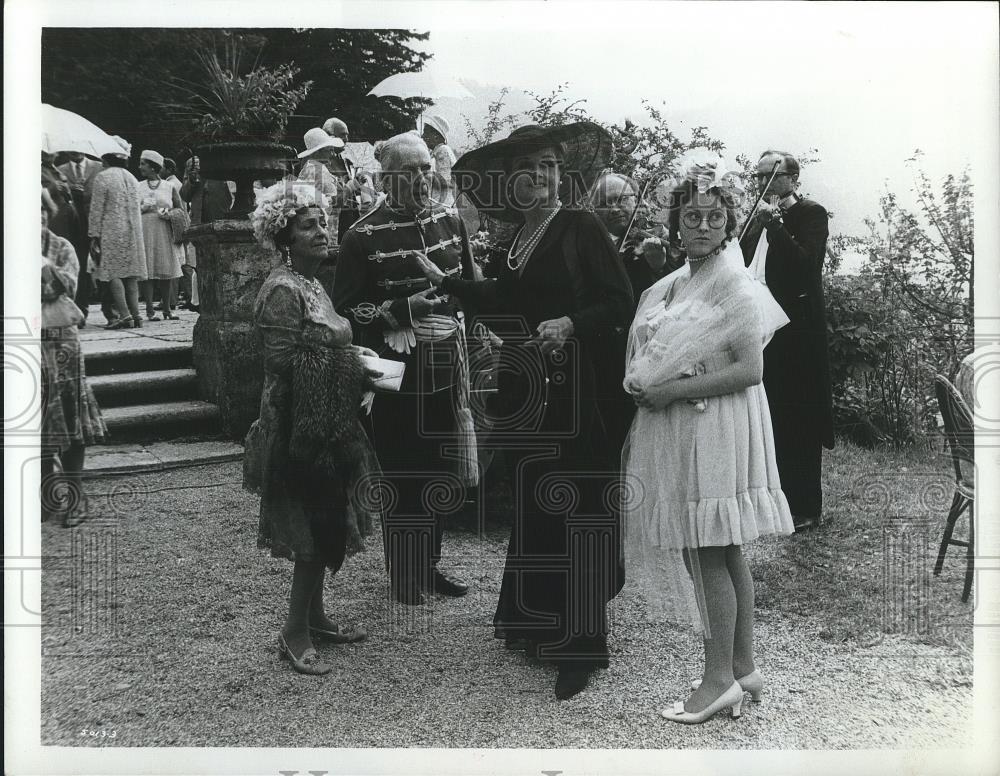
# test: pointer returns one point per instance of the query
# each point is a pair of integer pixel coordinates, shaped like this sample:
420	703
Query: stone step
157	345
161	414
143	387
110	460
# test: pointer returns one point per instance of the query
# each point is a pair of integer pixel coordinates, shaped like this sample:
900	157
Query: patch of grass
868	570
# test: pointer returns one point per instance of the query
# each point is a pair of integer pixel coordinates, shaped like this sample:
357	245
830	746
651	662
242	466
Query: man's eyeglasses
692	219
763	176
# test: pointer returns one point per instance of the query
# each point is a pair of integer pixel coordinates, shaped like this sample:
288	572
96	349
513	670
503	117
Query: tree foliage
231	99
908	315
116	76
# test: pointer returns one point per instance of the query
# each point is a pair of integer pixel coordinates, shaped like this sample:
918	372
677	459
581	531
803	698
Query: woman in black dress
565	287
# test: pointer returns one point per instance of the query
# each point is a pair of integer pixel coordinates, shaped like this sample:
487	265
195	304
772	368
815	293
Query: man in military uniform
423	434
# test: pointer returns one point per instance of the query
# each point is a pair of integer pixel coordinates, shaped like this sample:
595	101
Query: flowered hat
280	202
706	168
709	171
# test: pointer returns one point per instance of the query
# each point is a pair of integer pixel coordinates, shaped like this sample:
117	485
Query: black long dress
563	561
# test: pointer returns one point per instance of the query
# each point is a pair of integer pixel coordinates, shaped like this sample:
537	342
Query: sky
864	84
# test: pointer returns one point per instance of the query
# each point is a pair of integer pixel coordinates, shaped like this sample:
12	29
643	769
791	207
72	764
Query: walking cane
774	174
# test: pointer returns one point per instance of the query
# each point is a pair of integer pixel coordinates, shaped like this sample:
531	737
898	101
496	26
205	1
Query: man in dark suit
788	235
80	173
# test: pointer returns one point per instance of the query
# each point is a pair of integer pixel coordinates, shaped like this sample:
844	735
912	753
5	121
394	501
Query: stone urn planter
244	161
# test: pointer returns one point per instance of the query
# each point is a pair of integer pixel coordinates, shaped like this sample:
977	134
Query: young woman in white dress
699	462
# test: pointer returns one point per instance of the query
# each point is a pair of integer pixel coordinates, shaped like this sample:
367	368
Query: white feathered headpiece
280	202
709	171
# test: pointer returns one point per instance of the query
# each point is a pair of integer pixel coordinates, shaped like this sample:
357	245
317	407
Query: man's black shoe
805	523
571	680
448	585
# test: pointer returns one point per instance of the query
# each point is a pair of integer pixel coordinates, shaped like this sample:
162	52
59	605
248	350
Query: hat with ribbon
481	174
152	156
316	139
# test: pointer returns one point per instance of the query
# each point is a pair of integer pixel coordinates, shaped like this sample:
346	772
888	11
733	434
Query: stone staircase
147	388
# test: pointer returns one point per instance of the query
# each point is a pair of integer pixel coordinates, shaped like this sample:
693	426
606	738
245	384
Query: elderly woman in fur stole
308	454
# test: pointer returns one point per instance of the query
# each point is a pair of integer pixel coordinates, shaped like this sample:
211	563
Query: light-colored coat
116	220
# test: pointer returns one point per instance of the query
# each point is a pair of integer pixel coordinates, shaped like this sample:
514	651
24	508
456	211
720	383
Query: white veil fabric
686	324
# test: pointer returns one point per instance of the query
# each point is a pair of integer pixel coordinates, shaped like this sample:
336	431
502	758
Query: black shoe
448	585
571	680
805	523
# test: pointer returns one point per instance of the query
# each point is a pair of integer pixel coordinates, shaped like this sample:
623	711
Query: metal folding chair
959	432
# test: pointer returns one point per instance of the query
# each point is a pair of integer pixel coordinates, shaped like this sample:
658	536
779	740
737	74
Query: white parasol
424	84
63	130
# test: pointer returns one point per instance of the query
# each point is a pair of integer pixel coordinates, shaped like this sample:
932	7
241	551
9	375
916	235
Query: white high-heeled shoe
752	683
731	698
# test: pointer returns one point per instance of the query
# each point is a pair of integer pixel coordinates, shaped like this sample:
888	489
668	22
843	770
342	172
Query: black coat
796	361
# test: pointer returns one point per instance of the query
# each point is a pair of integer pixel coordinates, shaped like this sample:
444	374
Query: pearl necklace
707	256
150	183
524	252
312	286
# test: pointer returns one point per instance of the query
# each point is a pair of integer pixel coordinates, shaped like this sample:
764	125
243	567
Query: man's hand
552	335
654	252
422	304
431	270
768	210
363	351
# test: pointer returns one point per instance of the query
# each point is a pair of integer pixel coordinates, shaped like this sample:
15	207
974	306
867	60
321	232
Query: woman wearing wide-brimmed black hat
563	281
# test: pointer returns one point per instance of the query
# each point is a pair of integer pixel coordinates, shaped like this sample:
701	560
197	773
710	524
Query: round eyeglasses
692	219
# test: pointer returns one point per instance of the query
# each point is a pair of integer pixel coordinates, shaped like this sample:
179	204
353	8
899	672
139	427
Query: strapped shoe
344	634
309	663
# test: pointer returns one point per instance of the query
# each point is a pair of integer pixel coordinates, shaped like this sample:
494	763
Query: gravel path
192	659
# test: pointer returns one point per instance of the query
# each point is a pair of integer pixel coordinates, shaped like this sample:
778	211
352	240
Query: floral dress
302	516
70	414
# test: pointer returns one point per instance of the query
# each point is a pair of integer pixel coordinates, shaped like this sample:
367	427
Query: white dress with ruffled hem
698	474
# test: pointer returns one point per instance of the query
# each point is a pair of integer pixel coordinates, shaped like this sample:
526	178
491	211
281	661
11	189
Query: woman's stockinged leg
149	293
317	613
739	572
166	288
121	305
720	613
305	578
131	296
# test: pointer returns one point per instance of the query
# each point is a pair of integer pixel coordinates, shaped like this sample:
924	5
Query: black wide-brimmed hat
481	174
